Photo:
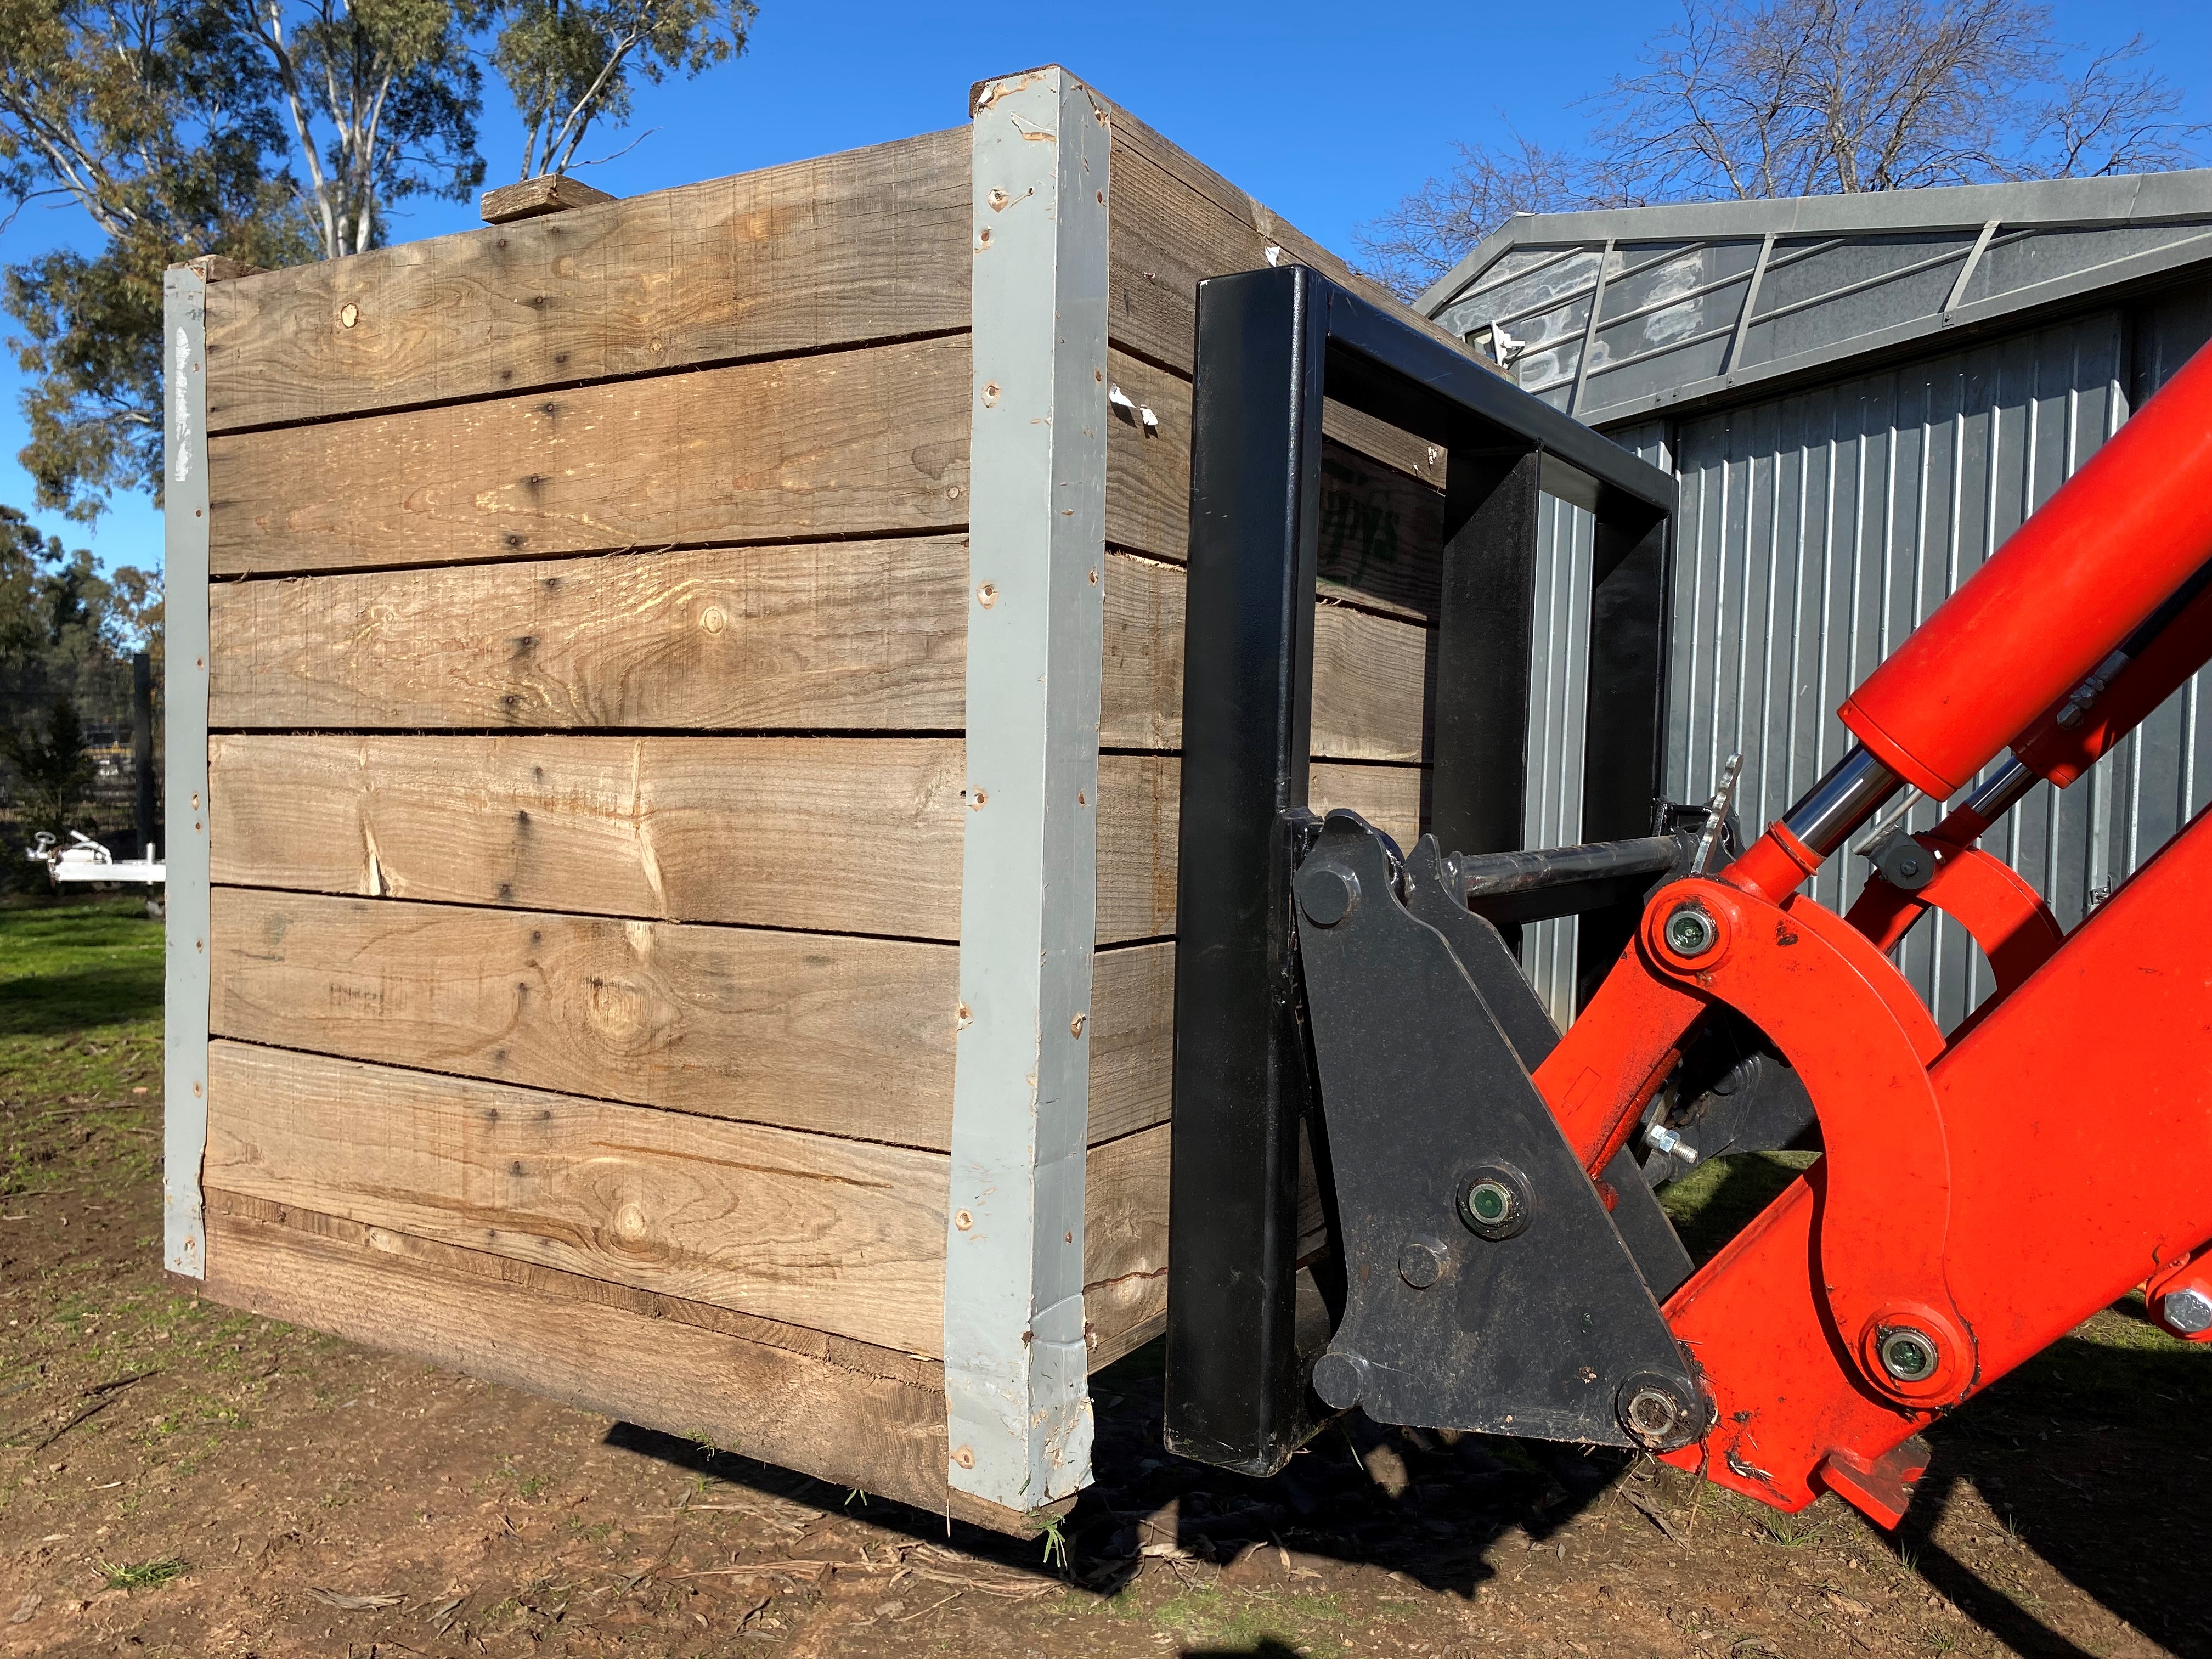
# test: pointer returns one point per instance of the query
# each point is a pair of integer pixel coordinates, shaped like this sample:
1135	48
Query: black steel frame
1270	345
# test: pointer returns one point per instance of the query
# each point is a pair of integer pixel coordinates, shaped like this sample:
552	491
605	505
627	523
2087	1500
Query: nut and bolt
1690	932
1909	1356
1661	1139
2188	1310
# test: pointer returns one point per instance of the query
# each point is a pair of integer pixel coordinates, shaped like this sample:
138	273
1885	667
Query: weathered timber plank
1138	801
1370	672
836	835
1139	810
841	834
835	1409
870	245
841	1235
549	193
1388	797
852	635
1381	530
835	635
1132	1029
1176	222
1382	536
1125	1244
850	443
844	1037
837	1235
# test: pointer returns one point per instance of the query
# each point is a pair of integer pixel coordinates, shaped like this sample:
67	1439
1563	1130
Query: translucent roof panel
1616	315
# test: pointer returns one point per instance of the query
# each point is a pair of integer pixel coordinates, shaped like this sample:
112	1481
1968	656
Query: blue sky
1328	113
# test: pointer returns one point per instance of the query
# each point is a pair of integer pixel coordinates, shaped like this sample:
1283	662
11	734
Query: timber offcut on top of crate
674	668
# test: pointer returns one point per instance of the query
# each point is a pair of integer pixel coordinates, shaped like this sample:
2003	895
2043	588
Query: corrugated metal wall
1817	530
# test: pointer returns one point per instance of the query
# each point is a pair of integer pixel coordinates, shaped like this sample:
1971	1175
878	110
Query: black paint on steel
1625	730
1564	881
1538	1315
1236	1396
1269	343
1513	1008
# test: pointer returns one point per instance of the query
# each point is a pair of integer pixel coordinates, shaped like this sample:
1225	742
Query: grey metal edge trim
1016	1366
1694	396
184	712
2140	197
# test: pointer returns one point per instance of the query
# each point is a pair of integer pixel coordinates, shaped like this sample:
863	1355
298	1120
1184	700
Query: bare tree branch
1767	98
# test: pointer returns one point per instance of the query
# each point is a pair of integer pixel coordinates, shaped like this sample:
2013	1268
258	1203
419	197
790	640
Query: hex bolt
1909	1356
2188	1310
1690	932
1327	894
1661	1139
1420	1262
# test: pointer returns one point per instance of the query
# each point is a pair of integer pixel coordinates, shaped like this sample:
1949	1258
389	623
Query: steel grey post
185	688
1016	1365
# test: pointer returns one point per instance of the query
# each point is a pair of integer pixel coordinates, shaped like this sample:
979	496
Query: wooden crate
673	712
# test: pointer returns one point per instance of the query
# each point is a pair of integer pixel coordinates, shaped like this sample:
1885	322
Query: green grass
1260	1623
1711	1204
143	1575
80	1001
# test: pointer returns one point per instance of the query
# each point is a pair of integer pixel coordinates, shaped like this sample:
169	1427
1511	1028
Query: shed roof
1696	302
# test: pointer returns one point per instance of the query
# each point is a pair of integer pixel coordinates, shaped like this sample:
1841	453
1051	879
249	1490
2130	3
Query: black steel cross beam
1270	345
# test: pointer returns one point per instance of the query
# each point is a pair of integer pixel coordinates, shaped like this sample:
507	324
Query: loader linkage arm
1499	1262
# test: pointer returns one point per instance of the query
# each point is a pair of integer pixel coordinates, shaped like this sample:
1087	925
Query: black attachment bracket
1487	1286
1272	345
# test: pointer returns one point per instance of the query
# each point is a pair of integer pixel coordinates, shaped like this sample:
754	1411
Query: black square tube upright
1247	675
1624	716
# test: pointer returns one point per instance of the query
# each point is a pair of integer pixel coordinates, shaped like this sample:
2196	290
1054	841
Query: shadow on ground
2093	1456
1432	1507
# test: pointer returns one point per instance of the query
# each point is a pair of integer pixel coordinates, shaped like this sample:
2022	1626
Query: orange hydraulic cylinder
2073	582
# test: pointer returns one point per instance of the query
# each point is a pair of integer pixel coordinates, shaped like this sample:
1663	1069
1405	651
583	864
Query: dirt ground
176	1478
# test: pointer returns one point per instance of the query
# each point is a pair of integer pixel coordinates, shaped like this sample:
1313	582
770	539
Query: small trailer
674	724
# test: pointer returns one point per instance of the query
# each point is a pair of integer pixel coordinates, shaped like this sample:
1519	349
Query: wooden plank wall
585	780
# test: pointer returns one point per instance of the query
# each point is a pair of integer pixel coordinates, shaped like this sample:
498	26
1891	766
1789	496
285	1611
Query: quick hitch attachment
1491	1283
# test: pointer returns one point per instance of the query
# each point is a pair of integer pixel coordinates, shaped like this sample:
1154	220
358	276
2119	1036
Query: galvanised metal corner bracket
1015	1364
184	702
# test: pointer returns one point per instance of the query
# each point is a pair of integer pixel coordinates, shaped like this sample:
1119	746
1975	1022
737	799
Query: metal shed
1863	396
